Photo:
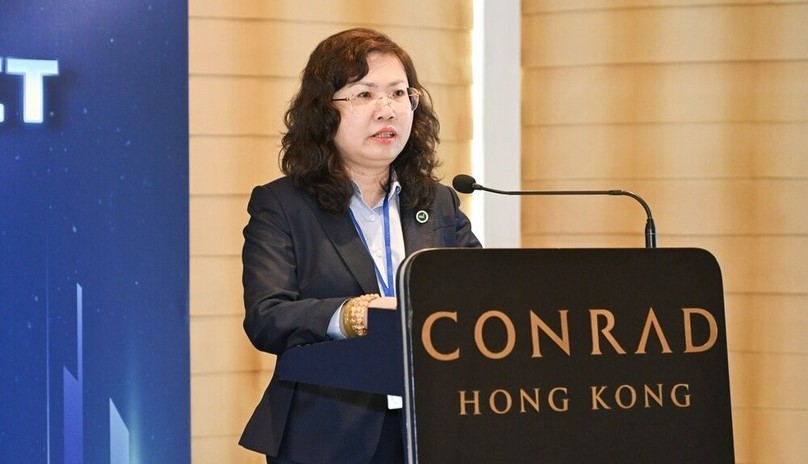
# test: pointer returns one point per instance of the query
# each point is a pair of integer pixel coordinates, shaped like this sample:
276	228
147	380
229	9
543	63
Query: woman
323	242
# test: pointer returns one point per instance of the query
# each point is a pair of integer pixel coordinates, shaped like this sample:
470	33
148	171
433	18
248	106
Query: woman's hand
384	302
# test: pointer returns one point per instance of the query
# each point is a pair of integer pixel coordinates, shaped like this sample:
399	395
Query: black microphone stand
467	184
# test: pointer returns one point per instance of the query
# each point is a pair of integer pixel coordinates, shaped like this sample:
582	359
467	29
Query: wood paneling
232	397
281	49
415	14
767	322
226	165
254	106
216	224
245	58
216	286
769	436
219	347
708	32
556	6
701	107
667	93
221	449
666	151
760	207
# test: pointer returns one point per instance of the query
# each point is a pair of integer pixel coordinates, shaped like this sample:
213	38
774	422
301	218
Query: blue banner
94	348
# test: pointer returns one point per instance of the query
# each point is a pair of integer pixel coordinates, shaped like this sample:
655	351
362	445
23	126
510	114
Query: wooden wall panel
254	106
237	105
769	437
708	33
219	344
756	265
681	206
244	63
216	286
226	165
216	224
221	449
667	93
767	322
280	49
221	403
769	381
701	107
447	14
666	151
557	6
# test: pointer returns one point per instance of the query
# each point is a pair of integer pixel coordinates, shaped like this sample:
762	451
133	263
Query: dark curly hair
308	153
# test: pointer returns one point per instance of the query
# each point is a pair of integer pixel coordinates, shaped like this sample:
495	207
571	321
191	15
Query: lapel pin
421	216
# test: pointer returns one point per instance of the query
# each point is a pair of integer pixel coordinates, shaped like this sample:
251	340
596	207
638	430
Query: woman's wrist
355	315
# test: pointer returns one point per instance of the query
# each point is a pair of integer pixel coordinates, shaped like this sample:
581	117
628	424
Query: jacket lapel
417	236
342	234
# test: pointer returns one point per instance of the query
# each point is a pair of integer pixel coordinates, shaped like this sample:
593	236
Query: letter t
33	95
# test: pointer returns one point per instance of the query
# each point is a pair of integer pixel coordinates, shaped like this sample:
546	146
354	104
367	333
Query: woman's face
371	135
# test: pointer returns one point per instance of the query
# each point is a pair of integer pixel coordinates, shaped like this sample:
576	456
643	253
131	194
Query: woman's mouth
386	133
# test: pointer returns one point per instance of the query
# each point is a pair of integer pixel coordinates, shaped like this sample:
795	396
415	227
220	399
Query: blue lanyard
387	287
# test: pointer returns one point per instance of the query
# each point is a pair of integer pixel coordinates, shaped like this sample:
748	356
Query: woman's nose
386	109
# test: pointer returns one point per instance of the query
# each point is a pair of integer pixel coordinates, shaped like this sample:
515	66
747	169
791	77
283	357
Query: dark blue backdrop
94	352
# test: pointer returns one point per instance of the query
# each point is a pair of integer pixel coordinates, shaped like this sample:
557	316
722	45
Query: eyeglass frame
412	92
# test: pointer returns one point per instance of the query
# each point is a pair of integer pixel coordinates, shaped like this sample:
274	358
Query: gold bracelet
355	315
346	320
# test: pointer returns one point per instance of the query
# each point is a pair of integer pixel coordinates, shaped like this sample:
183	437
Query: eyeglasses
401	99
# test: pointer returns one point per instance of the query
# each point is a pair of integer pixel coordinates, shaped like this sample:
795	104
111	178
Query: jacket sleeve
278	313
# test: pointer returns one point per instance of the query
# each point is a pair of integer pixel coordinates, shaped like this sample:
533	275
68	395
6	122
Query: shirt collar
395	187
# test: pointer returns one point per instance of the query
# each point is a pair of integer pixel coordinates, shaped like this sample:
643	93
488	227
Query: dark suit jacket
300	265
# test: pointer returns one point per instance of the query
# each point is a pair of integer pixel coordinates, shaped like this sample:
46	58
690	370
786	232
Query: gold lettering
500	401
594	314
649	394
525	398
596	399
651	321
537	324
689	346
474	401
510	329
618	396
492	401
551	400
684	400
625	396
426	336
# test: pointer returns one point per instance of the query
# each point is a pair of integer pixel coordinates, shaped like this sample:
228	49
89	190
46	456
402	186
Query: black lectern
526	356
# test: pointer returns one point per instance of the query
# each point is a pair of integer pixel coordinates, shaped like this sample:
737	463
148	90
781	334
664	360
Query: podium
546	355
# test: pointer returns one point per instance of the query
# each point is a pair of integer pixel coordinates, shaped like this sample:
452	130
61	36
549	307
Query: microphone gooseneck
464	183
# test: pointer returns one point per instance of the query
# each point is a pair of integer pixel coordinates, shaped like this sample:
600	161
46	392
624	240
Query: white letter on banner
2	108
33	95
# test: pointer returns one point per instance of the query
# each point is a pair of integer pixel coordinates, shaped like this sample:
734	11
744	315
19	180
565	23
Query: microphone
466	184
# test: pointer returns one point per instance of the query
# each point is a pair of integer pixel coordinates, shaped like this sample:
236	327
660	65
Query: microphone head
464	183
